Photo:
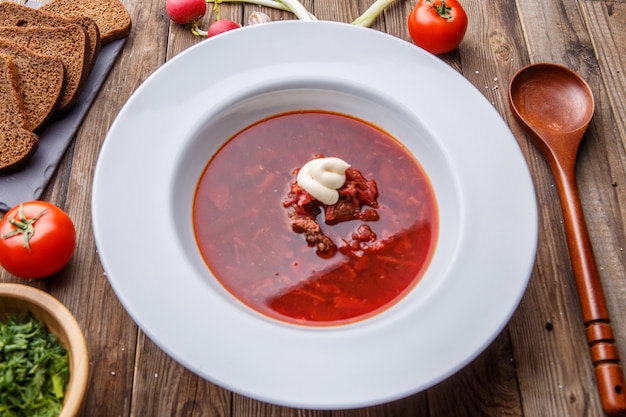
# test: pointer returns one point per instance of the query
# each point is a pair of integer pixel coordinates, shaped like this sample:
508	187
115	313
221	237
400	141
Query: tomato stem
23	226
442	9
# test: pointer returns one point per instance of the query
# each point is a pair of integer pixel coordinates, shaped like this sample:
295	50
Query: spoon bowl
552	98
555	106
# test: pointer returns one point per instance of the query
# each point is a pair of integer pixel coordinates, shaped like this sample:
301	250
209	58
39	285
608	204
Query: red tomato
37	239
437	26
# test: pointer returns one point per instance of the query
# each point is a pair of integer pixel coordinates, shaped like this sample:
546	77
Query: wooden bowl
18	299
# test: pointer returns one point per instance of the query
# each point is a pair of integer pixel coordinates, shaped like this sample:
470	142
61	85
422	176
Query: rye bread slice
41	80
12	14
68	43
17	144
111	16
93	35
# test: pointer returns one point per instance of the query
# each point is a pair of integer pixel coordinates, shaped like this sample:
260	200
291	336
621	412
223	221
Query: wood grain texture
538	366
606	23
562	37
111	334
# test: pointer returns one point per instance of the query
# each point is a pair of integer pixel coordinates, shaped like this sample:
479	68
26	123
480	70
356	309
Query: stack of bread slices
46	55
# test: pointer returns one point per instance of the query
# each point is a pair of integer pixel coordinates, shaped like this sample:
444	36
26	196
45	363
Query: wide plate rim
328	44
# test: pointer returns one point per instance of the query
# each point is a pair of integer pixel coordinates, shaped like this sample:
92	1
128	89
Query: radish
185	12
221	26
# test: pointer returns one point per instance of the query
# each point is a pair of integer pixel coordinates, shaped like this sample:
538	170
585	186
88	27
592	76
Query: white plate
153	157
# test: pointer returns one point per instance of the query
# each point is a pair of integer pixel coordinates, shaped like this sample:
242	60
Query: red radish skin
185	12
221	26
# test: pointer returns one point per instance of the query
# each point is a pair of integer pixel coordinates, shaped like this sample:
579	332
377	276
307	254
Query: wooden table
538	366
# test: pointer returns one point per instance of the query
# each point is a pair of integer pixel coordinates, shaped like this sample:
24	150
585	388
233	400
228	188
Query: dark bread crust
111	16
68	43
13	14
41	80
17	144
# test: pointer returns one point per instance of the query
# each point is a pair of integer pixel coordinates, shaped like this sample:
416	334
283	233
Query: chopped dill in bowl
34	369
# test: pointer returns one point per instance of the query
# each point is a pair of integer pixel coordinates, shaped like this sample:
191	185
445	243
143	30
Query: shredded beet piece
358	200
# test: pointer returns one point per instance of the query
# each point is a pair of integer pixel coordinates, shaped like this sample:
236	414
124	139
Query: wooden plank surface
565	39
538	366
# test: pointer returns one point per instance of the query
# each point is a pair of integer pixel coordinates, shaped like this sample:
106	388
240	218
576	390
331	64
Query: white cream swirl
322	177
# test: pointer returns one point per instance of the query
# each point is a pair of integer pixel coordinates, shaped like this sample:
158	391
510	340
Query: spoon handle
604	354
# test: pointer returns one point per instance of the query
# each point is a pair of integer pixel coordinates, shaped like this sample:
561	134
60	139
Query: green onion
293	6
372	12
297	8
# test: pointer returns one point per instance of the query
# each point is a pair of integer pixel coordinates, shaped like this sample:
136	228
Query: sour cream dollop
322	177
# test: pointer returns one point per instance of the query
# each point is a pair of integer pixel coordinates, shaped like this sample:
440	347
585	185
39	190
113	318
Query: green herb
34	369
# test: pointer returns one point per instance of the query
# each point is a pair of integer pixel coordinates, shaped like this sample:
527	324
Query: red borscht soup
244	233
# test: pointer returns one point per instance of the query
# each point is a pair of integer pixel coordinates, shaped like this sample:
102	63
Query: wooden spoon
555	105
